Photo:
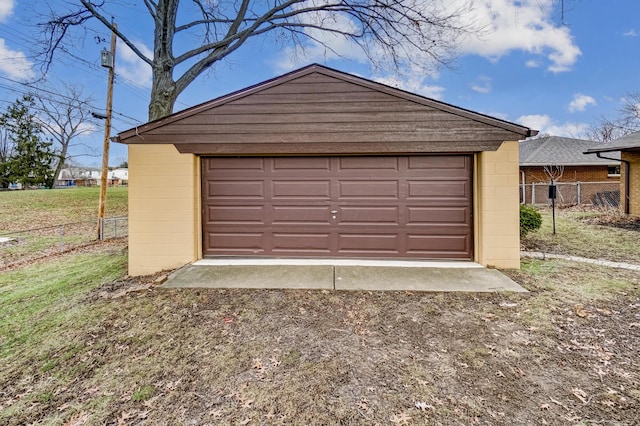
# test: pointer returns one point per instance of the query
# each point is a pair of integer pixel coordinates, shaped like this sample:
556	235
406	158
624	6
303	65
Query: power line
134	120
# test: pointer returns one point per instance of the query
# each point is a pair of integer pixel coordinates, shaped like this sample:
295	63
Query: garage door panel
301	243
454	246
235	189
415	207
301	189
441	215
245	242
369	244
454	164
295	164
441	189
368	165
369	215
219	215
369	189
230	163
297	215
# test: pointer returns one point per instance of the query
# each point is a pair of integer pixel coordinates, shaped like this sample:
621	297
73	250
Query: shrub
530	219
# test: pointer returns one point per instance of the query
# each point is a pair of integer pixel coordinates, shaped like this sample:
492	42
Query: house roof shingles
630	142
559	150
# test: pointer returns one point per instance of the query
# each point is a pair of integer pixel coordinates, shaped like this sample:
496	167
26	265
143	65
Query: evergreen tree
30	156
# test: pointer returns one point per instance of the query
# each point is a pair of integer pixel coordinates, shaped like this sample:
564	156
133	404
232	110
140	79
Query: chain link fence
31	244
598	194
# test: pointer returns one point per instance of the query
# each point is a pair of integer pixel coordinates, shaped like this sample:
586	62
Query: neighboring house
78	176
319	163
566	156
118	177
628	148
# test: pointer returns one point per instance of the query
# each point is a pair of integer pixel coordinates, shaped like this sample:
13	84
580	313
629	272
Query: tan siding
163	208
634	182
497	218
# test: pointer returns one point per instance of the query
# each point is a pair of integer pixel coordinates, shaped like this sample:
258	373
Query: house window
613	171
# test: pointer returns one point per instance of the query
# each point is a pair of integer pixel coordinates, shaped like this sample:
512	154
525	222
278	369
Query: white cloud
631	33
521	25
14	63
505	26
6	9
413	85
547	126
482	84
580	102
131	67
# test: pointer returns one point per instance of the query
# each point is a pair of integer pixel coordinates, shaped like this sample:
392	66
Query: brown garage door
411	206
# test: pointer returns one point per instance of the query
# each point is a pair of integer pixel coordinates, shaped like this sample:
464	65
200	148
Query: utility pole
108	60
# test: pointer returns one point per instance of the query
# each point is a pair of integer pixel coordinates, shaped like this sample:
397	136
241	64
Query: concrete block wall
497	218
163	208
634	181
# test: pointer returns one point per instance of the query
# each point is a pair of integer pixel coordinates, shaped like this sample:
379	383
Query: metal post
553	205
107	133
533	193
579	195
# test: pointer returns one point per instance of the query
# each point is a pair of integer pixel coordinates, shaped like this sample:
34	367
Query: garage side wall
163	208
634	182
497	239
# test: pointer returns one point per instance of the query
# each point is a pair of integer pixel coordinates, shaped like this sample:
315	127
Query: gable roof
261	116
559	150
630	142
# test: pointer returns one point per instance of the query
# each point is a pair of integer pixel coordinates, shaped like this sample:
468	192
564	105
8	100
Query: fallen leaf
500	374
246	421
580	394
78	419
63	406
247	403
580	311
91	391
421	405
122	420
215	412
545	406
400	418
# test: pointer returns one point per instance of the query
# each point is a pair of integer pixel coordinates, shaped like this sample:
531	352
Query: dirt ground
564	354
561	354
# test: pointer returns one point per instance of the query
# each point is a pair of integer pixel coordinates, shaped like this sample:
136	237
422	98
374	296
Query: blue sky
527	67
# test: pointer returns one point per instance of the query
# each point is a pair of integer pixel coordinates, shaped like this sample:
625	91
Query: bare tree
64	119
554	171
392	32
626	121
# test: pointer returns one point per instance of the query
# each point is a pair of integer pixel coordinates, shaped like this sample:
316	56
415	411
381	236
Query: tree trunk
163	92
61	160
